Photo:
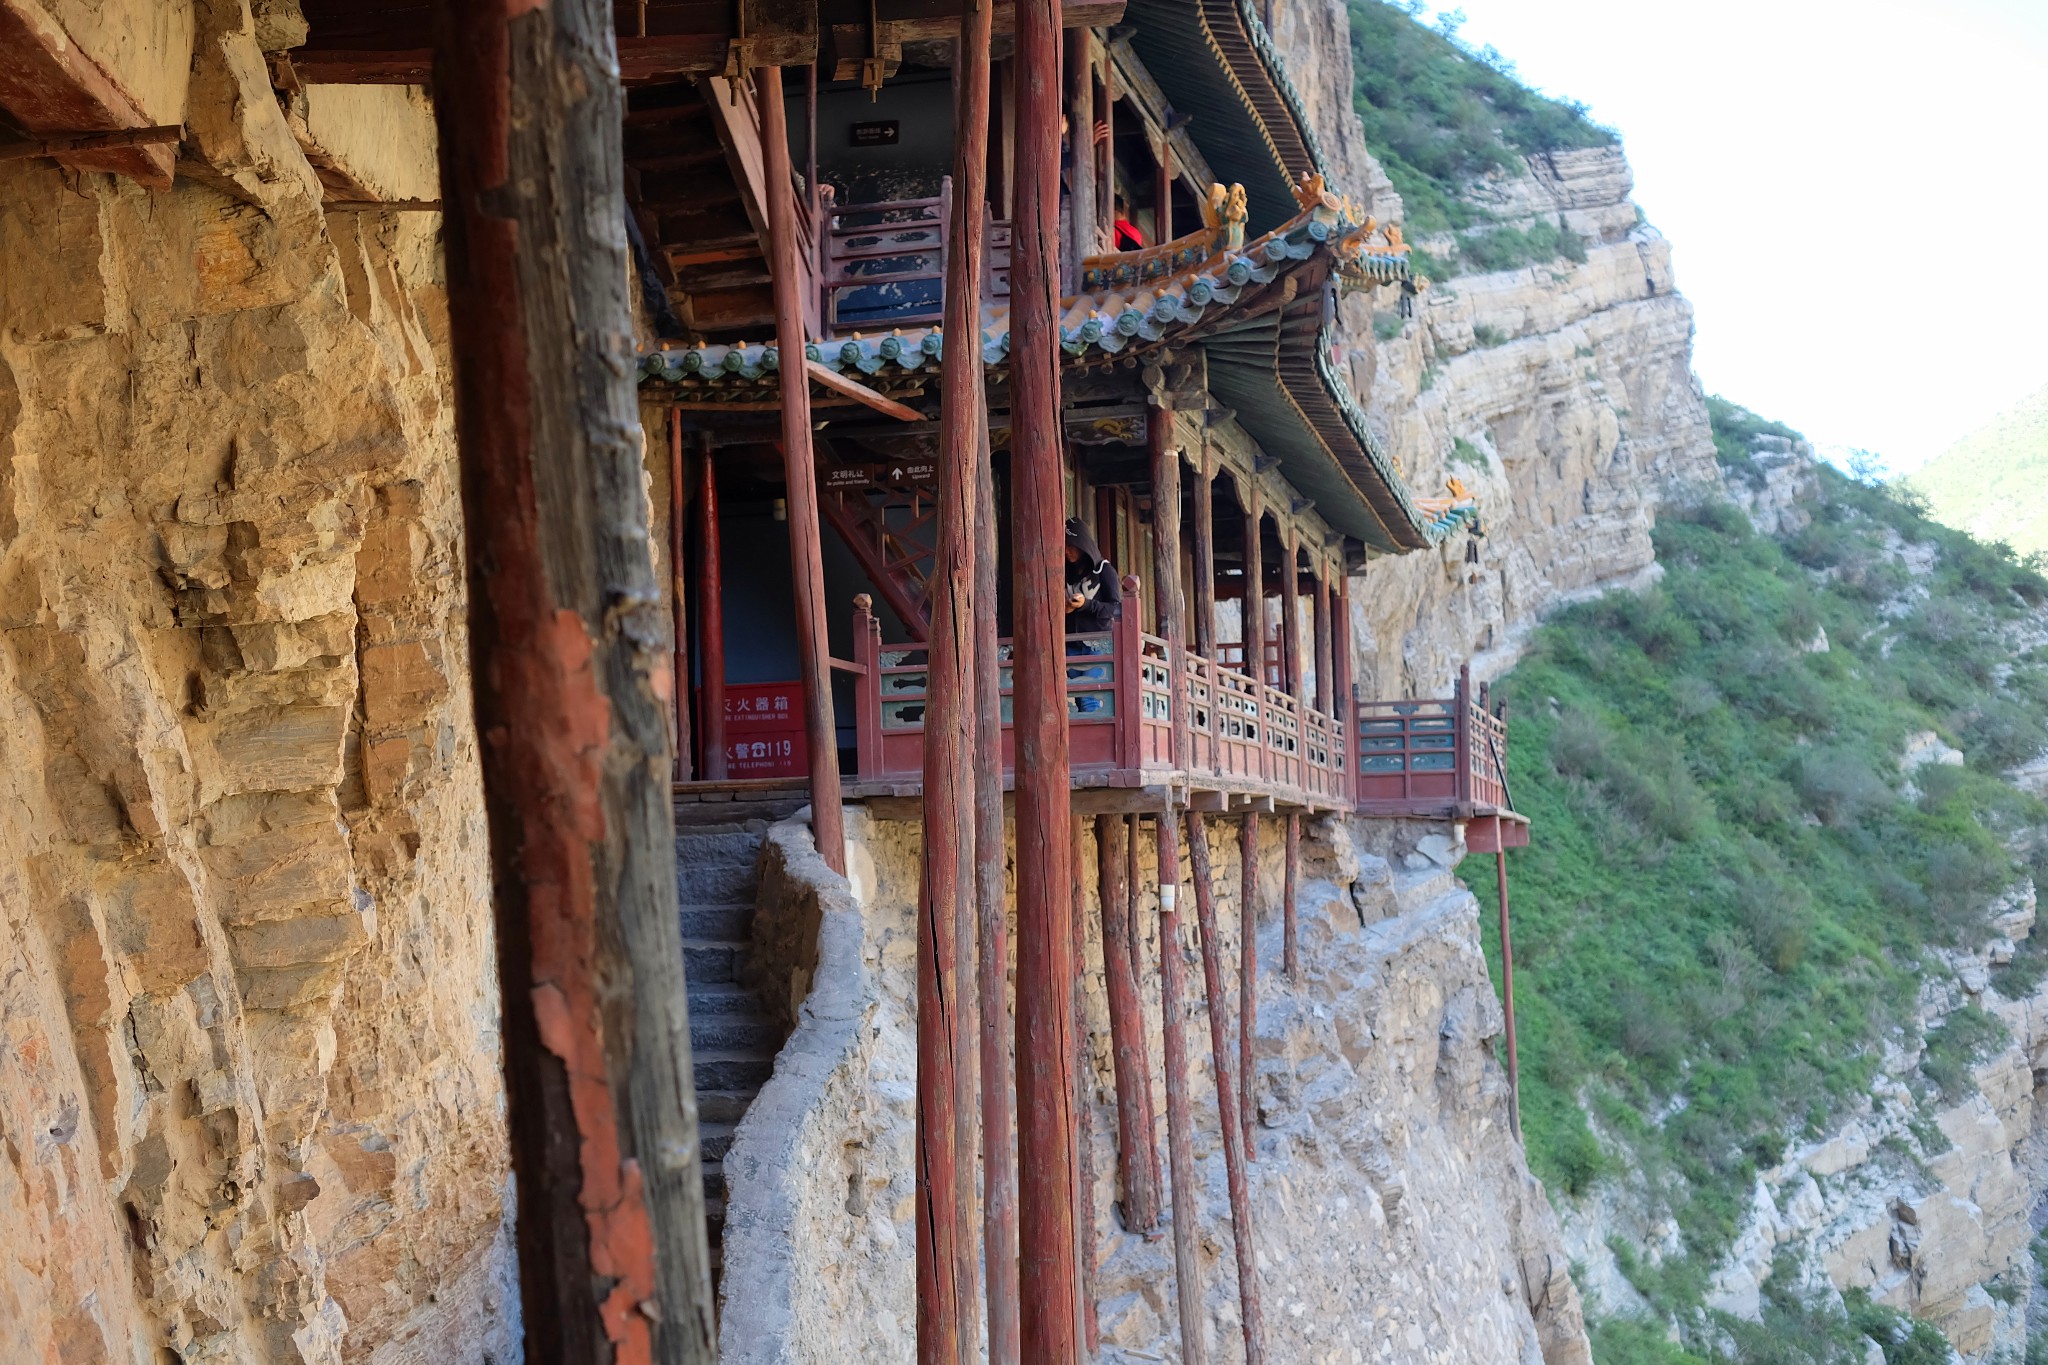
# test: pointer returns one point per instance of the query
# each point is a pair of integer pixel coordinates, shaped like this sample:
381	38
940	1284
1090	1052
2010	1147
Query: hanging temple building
553	799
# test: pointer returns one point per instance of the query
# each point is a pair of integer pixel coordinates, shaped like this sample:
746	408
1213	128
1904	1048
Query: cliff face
250	1107
1560	394
1395	1218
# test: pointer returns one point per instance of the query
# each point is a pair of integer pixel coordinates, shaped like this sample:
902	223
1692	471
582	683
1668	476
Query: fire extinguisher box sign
764	731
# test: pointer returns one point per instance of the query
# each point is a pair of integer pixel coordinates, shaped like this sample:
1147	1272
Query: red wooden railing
1120	716
883	265
1440	755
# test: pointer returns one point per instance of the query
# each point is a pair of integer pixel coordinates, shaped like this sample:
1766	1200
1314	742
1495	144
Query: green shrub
1488	336
1387	326
1965	1038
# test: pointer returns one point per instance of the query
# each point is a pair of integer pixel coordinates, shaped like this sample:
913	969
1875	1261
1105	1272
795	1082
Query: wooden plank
51	86
363	66
90	142
1251	1316
807	563
867	397
565	639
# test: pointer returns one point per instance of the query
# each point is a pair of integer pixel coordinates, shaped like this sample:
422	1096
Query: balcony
1245	740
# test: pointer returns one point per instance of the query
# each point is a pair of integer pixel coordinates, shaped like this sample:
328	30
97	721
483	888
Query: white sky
1856	193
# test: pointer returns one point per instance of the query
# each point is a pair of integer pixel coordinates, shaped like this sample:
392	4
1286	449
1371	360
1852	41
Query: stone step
714	1184
734	923
734	1032
716	1140
734	1069
709	999
723	1106
711	960
716	879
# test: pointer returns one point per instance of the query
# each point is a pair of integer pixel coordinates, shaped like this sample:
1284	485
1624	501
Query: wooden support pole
1507	983
1294	680
710	618
1187	1265
1084	1112
948	1102
807	561
565	655
1340	674
1045	1117
1166	569
1234	1133
1081	211
679	618
1290	953
1248	972
1325	697
1135	932
1204	533
1135	1126
998	1071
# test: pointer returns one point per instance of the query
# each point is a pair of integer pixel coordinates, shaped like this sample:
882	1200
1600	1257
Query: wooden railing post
867	687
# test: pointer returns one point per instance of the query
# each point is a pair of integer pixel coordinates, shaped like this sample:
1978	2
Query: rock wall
250	1108
1569	384
1395	1217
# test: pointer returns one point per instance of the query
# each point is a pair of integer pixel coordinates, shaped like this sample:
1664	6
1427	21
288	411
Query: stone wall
1395	1217
250	1107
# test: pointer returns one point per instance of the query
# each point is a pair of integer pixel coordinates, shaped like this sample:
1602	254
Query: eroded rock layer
248	1081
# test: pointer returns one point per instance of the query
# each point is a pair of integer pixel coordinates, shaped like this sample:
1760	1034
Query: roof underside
1216	64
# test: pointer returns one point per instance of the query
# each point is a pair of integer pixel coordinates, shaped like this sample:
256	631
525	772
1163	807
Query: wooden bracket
55	91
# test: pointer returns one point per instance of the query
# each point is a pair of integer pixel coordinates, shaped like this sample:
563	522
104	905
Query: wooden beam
828	819
566	664
363	66
860	393
1235	1135
52	87
73	143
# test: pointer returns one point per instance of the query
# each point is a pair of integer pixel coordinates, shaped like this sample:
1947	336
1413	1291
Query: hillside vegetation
1994	482
1733	887
1439	115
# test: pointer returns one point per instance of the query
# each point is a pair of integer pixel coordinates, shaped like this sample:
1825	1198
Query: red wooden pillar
1293	681
1045	1118
947	1099
1166	569
1325	696
998	1073
564	632
828	819
1081	211
1234	1132
1248	971
1187	1265
1340	676
679	617
1507	984
710	617
1126	1030
1290	957
1254	613
1205	557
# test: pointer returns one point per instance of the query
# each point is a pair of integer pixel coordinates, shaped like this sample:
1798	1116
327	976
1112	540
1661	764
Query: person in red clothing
1127	235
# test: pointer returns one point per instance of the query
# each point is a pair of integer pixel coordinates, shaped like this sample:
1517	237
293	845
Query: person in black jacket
1094	596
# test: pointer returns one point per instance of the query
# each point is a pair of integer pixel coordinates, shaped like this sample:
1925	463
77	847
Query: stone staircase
733	1038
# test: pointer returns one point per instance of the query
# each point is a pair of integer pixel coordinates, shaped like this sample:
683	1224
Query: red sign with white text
764	731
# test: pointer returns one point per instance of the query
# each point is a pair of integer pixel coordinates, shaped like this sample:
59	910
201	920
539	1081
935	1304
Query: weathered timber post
998	1074
570	683
1340	677
1084	1120
1234	1134
1204	535
1324	695
807	563
1126	1032
1254	613
1134	931
710	617
1248	971
1294	682
947	1099
1166	568
1507	983
1290	953
1187	1265
1045	1117
1081	212
679	618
